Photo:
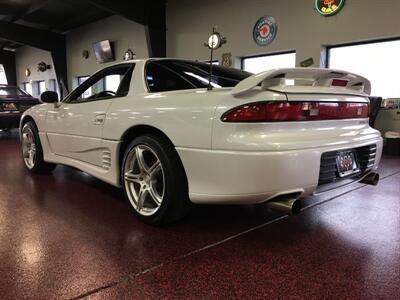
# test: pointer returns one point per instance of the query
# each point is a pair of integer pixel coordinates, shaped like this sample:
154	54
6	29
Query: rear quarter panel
186	117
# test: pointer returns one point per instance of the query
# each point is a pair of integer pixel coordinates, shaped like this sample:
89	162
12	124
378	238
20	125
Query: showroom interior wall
300	27
189	24
28	58
123	32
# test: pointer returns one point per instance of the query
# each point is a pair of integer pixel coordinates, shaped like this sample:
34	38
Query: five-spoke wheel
28	147
32	151
154	180
144	180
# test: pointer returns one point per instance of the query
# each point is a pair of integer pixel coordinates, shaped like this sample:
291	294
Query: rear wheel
32	151
154	180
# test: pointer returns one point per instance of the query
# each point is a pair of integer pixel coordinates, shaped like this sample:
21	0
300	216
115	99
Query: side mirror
48	97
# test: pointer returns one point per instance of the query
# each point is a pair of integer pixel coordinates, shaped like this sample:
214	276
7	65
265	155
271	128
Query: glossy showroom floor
68	235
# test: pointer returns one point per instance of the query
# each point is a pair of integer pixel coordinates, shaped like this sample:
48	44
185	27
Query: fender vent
106	162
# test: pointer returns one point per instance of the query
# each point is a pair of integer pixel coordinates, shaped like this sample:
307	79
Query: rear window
170	75
11	91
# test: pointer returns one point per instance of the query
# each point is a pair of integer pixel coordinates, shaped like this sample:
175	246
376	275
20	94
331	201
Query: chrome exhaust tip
371	179
287	204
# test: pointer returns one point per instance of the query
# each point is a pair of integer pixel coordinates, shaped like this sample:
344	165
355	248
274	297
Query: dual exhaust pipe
289	204
371	179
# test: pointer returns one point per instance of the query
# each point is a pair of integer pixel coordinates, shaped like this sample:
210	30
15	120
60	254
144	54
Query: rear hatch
292	109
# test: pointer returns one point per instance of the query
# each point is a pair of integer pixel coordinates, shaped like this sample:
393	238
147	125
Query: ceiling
53	15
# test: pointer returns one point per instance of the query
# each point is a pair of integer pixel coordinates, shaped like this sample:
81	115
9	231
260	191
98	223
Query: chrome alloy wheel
144	180
28	147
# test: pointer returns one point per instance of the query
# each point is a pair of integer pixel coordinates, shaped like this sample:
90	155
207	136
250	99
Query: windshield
11	91
169	75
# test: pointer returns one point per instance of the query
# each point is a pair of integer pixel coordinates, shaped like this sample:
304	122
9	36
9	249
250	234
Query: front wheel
32	151
154	180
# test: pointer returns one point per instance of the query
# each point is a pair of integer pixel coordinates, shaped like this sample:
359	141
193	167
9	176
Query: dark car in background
13	102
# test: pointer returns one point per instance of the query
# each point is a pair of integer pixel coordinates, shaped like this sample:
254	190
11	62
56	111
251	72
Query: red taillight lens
296	111
339	82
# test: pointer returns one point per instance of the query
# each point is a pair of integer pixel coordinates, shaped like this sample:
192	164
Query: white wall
300	27
28	58
189	24
123	32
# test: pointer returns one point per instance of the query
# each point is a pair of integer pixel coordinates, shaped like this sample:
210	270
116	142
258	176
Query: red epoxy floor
68	235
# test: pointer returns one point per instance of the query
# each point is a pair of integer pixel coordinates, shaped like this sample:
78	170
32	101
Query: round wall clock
329	7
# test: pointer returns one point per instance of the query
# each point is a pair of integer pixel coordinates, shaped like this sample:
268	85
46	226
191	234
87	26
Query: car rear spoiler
316	77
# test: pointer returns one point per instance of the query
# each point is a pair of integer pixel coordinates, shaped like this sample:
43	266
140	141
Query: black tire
175	203
39	166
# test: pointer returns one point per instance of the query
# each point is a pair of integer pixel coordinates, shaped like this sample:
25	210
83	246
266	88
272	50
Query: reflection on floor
69	235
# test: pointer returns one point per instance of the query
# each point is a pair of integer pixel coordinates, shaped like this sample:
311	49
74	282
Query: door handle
99	119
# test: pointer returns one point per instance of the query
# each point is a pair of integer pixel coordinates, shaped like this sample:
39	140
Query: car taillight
339	82
296	111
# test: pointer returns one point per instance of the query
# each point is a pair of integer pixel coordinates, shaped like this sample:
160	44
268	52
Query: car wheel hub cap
144	180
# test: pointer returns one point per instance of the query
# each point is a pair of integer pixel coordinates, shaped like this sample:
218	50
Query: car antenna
215	41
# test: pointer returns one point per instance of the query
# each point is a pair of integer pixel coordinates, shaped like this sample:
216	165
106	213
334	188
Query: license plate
10	106
346	163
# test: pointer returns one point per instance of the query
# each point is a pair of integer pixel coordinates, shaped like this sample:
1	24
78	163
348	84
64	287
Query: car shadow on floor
9	134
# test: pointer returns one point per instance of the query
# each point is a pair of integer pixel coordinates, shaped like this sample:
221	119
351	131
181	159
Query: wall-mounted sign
265	30
43	67
85	54
328	7
129	55
227	59
307	62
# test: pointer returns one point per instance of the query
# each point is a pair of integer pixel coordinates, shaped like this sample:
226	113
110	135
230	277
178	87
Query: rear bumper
9	120
240	177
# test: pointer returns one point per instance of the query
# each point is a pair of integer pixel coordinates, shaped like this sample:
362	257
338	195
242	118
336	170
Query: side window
160	79
103	85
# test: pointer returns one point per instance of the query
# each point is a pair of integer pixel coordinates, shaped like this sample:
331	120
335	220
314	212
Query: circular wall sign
328	7
265	30
129	55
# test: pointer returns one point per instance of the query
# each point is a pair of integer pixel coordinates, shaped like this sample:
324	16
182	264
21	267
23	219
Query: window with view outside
3	77
88	92
108	83
112	82
105	84
379	62
28	88
42	87
268	62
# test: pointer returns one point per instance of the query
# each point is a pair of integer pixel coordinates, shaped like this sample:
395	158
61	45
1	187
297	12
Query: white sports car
156	129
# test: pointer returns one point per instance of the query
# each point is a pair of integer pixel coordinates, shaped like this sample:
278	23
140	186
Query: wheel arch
139	130
25	119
